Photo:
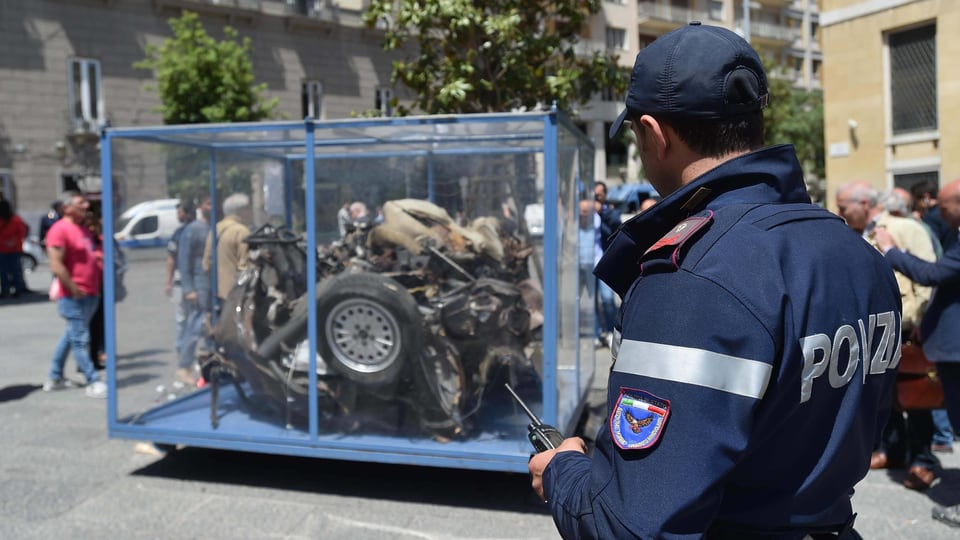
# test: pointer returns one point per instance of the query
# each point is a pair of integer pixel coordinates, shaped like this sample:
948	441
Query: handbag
55	289
918	385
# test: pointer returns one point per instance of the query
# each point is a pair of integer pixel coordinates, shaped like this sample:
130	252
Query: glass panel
429	277
908	180
913	80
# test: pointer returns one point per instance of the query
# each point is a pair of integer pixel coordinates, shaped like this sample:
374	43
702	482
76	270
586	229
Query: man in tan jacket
231	232
906	438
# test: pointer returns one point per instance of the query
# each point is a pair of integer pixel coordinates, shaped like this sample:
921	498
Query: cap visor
617	124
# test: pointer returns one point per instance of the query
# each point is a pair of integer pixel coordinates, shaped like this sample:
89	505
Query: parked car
627	197
147	224
32	254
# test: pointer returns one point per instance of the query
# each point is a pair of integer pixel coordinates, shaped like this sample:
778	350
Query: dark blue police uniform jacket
758	349
941	340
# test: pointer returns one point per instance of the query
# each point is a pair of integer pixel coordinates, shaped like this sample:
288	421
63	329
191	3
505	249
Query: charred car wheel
369	326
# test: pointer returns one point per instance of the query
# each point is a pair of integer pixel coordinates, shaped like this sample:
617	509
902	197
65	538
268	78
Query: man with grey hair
232	230
906	438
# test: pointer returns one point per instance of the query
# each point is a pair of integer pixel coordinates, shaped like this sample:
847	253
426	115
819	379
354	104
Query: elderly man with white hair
906	438
232	230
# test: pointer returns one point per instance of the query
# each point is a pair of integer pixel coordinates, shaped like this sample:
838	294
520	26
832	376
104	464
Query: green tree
795	116
200	79
493	55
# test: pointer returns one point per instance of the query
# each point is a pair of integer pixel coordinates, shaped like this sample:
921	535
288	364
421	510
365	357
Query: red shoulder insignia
681	232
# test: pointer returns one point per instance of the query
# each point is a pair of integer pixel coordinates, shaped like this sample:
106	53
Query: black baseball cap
696	71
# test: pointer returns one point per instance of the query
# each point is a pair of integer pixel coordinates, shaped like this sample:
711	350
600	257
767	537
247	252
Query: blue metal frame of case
186	421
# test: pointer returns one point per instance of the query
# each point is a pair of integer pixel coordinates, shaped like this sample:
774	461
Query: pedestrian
907	436
938	329
609	224
899	202
47	221
589	252
13	231
343	219
756	331
186	213
196	299
78	269
232	230
924	194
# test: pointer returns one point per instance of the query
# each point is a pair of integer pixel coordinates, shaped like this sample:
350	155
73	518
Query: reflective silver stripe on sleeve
740	376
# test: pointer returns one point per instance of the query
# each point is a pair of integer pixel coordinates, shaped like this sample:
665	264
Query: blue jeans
11	273
942	432
607	312
950	375
192	333
77	312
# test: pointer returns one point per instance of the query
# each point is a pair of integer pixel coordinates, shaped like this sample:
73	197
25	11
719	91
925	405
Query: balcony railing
649	9
771	31
250	5
246	10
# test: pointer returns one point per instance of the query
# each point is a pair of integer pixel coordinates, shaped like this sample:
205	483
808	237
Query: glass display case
360	289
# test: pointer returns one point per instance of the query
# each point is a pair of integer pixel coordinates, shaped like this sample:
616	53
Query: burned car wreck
416	318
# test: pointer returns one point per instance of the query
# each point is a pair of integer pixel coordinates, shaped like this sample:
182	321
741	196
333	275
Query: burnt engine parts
415	317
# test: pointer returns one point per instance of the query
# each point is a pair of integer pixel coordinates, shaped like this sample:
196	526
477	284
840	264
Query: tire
28	262
369	327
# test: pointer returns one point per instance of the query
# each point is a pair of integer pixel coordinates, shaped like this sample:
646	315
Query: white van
147	224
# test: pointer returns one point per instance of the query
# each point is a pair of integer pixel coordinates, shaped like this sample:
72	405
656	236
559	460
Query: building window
616	38
86	100
906	181
384	101
913	80
645	39
715	9
311	99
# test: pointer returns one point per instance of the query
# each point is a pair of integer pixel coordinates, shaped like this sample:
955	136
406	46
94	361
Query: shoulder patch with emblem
670	245
638	419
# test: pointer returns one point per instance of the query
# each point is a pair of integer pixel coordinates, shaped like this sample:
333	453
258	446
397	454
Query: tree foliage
493	55
795	116
200	79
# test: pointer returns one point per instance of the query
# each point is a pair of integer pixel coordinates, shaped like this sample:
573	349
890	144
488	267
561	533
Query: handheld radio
542	436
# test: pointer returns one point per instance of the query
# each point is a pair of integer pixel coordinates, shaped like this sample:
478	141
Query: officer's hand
883	238
190	296
540	461
168	289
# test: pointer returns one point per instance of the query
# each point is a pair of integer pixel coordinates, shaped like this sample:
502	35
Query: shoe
97	389
186	376
60	384
947	514
879	460
919	478
942	448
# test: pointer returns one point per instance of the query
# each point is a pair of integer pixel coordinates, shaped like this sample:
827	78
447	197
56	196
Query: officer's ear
655	134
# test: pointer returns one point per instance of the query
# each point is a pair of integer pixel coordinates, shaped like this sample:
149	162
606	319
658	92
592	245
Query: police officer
759	336
47	221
